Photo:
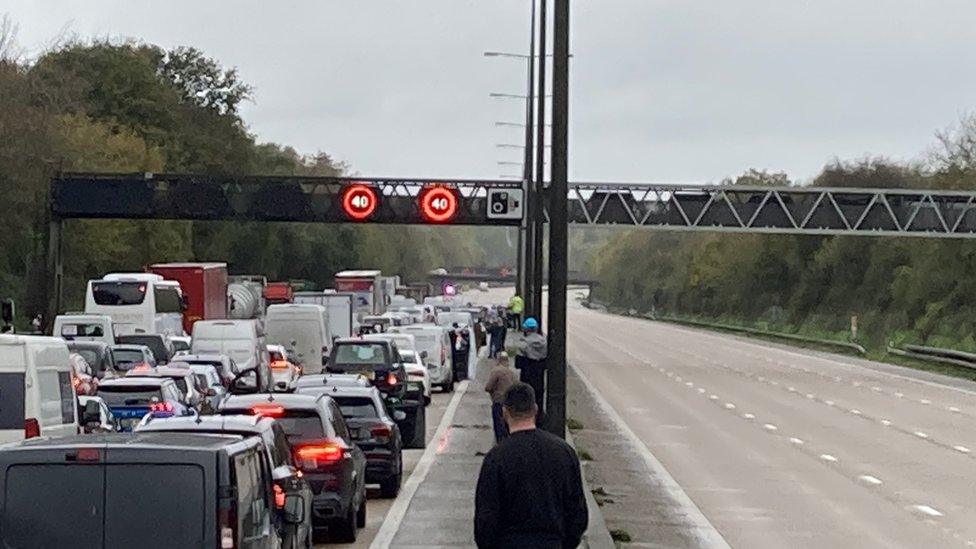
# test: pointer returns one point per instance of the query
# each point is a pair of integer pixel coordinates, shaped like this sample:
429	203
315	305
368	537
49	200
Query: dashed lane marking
769	427
874	481
828	457
927	510
962	449
920	434
748	416
797	441
729	406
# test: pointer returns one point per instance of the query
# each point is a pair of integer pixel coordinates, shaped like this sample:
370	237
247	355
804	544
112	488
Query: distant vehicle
277	293
82	327
324	451
141	490
288	480
302	329
339	309
415	312
373	430
418	380
129	357
399	318
368	288
98	355
245	296
224	364
95	417
483	286
435	341
242	340
379	361
375	324
131	398
35	385
448	318
179	344
160	347
192	394
138	303
204	288
208	377
283	371
83	381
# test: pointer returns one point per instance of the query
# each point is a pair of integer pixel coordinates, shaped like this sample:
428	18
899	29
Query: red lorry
204	288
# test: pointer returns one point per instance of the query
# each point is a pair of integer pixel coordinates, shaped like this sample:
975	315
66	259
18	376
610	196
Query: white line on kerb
962	449
796	441
707	535
870	480
391	524
926	510
769	427
748	416
828	457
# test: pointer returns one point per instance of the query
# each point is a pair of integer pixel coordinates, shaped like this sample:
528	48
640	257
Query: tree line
902	290
127	106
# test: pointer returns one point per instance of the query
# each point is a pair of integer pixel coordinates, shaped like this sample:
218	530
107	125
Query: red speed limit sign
359	201
438	204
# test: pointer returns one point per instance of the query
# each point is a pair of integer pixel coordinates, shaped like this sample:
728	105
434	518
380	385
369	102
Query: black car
288	480
161	349
145	490
97	354
373	430
324	450
380	362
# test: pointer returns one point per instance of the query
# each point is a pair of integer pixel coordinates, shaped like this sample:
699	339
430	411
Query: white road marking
869	479
690	384
791	389
855	411
774	383
828	457
769	427
856	383
748	416
678	378
953	409
713	397
796	441
876	389
729	406
837	379
829	402
810	395
707	535
391	524
670	374
701	390
899	395
885	422
761	378
920	434
926	510
962	449
925	401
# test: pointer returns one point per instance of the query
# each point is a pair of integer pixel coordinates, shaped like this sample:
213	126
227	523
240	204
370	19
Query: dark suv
380	362
287	479
324	450
148	490
373	430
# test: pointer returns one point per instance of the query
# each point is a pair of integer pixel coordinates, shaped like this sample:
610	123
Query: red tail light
392	380
319	455
268	410
32	428
161	407
279	364
381	430
279	496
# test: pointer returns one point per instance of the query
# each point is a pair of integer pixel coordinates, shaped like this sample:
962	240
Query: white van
35	384
437	343
241	340
138	303
302	329
84	328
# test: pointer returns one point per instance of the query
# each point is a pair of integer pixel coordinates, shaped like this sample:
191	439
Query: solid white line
391	524
870	480
925	509
962	449
702	529
828	457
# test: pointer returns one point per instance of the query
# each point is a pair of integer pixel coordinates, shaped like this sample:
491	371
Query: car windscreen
297	425
126	358
408	356
119	293
52	505
164	498
129	395
356	407
91	357
354	355
180	384
155	344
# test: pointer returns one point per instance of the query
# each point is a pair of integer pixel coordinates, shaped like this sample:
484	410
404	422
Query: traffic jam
185	407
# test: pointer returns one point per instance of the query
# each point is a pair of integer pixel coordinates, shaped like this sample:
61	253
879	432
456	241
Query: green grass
573	424
620	535
583	455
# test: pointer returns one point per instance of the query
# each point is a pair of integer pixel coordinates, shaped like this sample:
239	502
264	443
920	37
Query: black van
145	490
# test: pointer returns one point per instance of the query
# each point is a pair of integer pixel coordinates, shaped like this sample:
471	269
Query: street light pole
526	235
558	224
537	215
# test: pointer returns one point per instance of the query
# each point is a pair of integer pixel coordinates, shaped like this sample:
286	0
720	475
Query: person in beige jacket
500	379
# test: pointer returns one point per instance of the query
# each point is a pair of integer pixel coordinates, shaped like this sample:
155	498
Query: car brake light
319	455
279	497
381	432
141	367
84	454
391	380
279	364
31	428
161	407
268	410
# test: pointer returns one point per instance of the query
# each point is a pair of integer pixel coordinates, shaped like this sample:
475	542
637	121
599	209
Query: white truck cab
35	384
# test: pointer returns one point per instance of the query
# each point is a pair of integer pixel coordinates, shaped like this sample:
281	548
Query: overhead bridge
730	208
439	279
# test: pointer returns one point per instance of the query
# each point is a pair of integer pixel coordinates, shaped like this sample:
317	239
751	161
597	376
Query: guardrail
935	354
766	333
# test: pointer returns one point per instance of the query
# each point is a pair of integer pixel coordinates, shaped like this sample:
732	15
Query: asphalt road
784	447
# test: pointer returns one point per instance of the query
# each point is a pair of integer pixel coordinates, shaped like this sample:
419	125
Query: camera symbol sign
505	204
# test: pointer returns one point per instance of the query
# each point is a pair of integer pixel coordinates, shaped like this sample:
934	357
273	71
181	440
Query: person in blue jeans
500	379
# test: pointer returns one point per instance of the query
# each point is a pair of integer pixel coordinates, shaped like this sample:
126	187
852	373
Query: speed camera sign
505	204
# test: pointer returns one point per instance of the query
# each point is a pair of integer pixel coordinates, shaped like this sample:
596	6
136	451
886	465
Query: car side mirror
184	303
294	510
399	415
283	472
210	392
92	413
246	383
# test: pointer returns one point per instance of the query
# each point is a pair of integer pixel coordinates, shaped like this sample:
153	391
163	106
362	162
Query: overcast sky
662	90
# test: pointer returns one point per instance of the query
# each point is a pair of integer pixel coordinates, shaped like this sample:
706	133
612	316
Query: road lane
774	449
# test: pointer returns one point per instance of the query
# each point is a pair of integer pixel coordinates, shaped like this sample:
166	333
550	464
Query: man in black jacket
530	493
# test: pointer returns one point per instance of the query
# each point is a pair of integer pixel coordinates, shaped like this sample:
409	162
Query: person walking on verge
500	379
531	359
530	491
515	307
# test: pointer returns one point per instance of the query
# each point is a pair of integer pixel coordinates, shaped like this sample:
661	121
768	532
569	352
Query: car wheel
390	487
344	530
419	428
448	387
361	515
